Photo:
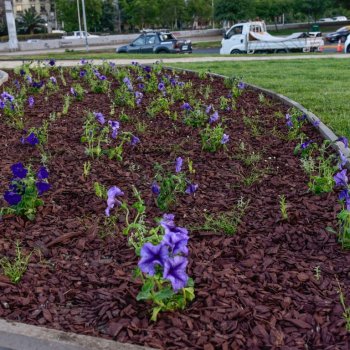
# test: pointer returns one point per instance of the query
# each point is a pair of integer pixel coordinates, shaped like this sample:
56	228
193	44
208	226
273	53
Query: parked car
347	45
79	35
327	19
156	42
341	34
339	18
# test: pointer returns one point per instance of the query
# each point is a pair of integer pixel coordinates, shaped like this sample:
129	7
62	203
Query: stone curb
19	336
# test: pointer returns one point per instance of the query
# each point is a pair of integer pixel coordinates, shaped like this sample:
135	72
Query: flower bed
94	157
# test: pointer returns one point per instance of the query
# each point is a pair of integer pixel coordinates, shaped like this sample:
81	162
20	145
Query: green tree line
130	15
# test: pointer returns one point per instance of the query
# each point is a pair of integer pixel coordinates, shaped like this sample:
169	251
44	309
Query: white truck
79	35
252	37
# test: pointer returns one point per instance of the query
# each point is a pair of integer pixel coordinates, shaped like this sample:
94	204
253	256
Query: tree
30	21
200	10
109	16
237	10
68	13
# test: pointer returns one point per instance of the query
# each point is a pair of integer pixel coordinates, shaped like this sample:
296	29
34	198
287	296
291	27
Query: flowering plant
213	138
24	191
162	268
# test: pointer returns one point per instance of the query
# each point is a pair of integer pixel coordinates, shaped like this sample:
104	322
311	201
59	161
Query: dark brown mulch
254	290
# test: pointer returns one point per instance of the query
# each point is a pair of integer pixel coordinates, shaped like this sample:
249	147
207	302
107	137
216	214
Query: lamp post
85	26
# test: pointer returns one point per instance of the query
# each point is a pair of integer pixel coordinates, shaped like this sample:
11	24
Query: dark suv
157	42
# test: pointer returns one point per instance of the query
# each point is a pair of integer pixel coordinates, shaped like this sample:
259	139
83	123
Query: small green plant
253	124
100	190
195	117
141	127
87	168
223	103
66	104
213	138
160	105
15	269
283	206
346	313
317	272
78	92
227	222
344	224
124	97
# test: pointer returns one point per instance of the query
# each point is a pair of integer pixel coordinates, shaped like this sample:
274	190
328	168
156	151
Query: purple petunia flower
155	188
31	139
168	220
19	171
191	188
214	117
82	73
186	106
344	194
37	84
175	272
2	104
53	80
306	144
289	121
302	118
225	138
31	101
114	126
100	117
316	123
343	160
152	255
102	77
22	72
29	79
161	86
7	97
112	193
12	198
176	242
147	69
52	62
340	178
42	187
141	86
134	140
178	164
241	85
208	109
83	61
73	92
169	226
42	173
344	140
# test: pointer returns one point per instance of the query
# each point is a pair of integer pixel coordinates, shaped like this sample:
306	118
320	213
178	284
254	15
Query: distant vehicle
251	37
327	19
156	42
347	45
341	34
79	35
339	18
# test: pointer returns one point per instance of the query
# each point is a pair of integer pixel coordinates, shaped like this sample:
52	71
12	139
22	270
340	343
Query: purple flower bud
53	80
134	140
224	139
161	86
340	178
208	109
214	117
31	101
241	85
42	173
155	188
112	193
191	188
31	139
178	164
316	123
82	73
306	144
114	126
42	187
52	62
186	106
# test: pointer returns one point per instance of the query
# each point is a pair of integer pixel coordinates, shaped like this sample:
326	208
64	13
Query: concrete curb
19	336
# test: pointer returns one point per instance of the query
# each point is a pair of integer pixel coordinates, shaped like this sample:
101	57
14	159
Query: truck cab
235	39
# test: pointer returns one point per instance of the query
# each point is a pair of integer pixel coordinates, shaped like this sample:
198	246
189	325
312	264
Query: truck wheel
235	52
162	51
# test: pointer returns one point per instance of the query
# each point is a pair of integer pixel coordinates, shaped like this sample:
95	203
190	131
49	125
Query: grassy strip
322	86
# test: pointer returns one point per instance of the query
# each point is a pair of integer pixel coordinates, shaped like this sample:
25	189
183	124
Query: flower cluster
341	179
169	257
24	189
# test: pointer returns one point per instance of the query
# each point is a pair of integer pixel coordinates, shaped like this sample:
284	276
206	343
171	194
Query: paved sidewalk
68	63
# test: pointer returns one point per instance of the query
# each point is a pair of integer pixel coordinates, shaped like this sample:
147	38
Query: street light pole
79	17
85	26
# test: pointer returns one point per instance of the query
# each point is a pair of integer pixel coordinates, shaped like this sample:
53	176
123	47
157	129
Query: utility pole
79	17
85	26
11	26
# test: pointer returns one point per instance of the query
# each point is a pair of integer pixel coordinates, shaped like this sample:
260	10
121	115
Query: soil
256	289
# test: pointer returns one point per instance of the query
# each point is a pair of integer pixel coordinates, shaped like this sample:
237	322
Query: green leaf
155	313
164	294
143	296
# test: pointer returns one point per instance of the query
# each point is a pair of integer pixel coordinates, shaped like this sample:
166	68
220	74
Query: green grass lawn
320	85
